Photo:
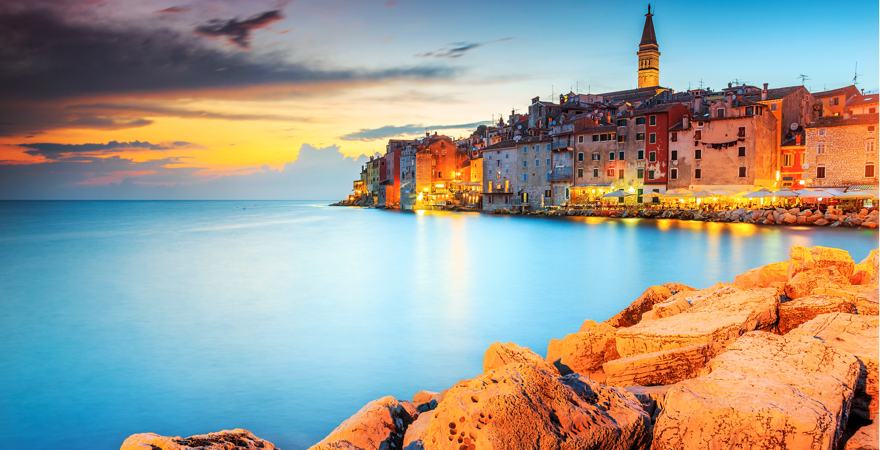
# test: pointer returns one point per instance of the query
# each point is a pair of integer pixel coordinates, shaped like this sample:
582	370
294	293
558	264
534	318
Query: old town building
649	54
833	103
499	175
841	151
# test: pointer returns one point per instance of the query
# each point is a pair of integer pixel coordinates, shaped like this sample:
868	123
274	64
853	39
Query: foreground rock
865	438
585	351
796	312
632	314
856	335
501	354
765	391
380	424
222	440
657	368
865	272
771	275
526	406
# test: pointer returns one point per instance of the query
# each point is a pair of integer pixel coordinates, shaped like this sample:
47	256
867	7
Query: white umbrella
858	194
620	193
679	192
760	193
786	193
816	193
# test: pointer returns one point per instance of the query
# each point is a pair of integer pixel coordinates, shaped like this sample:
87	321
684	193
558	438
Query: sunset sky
280	99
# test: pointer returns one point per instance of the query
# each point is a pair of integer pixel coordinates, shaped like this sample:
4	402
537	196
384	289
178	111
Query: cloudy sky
282	99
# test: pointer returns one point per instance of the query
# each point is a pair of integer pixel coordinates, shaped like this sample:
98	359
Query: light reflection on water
285	317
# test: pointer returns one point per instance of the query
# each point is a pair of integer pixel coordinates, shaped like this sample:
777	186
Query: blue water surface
286	317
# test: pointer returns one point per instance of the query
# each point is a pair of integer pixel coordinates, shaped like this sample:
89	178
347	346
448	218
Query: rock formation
237	439
585	351
380	424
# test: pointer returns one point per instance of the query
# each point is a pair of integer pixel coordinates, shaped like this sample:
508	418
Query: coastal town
650	152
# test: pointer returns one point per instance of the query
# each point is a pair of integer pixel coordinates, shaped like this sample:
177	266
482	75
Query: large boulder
793	313
652	397
865	438
657	368
632	314
585	351
765	391
714	320
806	258
865	272
771	275
503	353
812	281
380	424
413	439
525	406
237	439
668	308
865	297
856	335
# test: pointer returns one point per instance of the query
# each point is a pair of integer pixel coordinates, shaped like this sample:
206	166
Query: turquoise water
286	317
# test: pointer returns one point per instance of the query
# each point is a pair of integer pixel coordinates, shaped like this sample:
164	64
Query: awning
786	193
617	194
760	193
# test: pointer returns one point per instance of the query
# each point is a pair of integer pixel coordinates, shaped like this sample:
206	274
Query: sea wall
785	356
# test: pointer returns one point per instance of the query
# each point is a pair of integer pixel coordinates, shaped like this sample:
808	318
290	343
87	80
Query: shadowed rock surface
380	424
237	439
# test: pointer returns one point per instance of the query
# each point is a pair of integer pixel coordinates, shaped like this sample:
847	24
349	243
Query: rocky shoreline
831	217
784	357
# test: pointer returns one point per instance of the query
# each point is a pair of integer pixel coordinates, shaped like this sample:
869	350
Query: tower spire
649	54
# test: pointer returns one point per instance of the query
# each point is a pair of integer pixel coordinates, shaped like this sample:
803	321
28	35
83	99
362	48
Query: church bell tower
649	54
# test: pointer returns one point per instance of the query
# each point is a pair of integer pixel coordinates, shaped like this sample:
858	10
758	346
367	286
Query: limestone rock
865	297
657	368
865	272
524	406
809	281
502	353
380	424
765	391
856	335
585	351
714	320
668	308
805	258
865	438
237	439
632	314
415	432
793	313
652	397
426	400
771	275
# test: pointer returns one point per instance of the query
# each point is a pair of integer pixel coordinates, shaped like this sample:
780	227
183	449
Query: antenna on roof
803	78
856	75
701	84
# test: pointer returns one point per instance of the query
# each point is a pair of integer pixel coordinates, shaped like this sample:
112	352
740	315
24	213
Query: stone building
731	147
391	180
833	103
372	179
499	175
561	163
596	165
862	104
533	173
841	151
655	153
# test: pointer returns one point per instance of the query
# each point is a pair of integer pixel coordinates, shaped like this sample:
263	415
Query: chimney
698	103
685	122
764	92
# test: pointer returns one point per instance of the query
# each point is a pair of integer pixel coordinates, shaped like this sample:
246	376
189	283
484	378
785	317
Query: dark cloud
371	134
317	174
154	110
55	151
458	49
46	57
173	10
239	31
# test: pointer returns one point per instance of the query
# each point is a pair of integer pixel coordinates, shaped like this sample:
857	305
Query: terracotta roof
849	90
865	99
841	121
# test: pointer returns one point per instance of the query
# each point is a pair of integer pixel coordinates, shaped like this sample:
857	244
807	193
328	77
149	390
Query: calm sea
286	317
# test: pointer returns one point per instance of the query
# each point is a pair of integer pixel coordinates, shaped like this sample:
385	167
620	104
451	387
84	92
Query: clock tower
649	55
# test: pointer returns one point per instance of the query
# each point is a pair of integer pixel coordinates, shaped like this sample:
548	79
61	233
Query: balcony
561	145
559	174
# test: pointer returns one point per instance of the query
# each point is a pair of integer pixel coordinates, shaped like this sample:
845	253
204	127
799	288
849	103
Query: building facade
841	151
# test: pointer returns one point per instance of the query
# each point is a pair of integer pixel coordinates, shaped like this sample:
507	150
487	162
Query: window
580	139
786	160
698	134
741	151
652	138
595	138
498	163
535	147
773	107
673	137
537	163
595	156
620	173
548	162
652	120
674	155
835	101
820	148
742	172
871	128
869	170
640	173
821	132
640	155
621	122
525	163
525	177
698	154
640	136
621	138
650	174
872	110
750	110
698	173
741	132
640	120
610	156
719	113
609	172
580	173
548	193
595	172
652	156
820	172
620	156
869	146
673	173
580	156
525	149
